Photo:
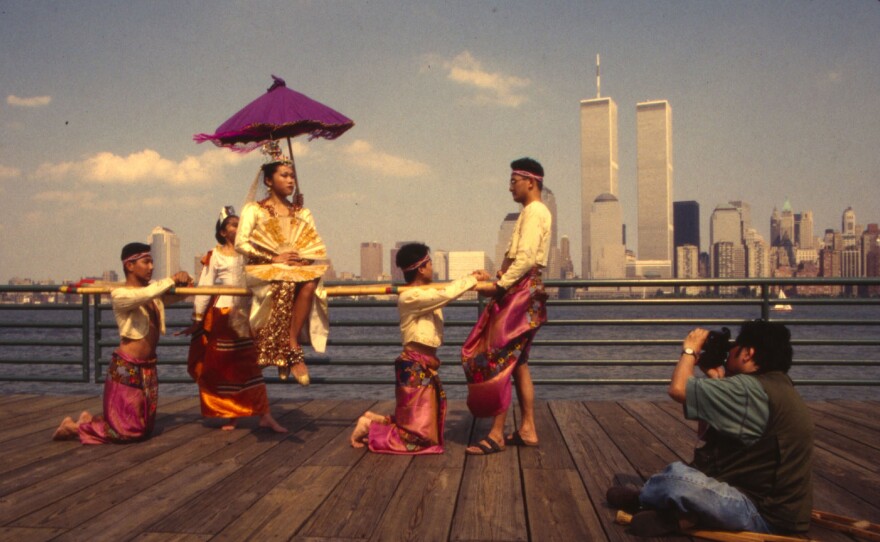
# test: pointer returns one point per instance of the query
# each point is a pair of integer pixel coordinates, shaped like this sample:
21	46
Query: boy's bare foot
361	432
267	421
378	418
66	431
85	417
229	426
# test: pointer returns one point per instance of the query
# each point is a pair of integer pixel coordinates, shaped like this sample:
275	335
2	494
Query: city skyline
773	101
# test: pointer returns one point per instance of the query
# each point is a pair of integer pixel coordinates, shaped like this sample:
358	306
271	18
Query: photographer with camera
754	471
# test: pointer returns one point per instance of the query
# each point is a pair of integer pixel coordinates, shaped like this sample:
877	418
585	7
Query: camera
715	349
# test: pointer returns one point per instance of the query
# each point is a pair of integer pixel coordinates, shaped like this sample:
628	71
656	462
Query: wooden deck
194	482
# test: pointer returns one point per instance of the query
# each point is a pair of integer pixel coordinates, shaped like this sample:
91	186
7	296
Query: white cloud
361	153
33	101
7	172
149	165
76	200
493	88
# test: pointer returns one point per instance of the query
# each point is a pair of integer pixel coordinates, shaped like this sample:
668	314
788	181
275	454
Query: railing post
765	301
86	337
97	356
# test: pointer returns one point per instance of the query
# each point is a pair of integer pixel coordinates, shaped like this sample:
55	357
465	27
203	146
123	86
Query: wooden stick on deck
624	518
855	527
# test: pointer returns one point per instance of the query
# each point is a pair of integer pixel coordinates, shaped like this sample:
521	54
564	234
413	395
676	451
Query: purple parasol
279	113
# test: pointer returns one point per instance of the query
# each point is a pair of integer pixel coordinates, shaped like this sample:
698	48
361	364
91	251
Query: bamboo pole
332	291
625	518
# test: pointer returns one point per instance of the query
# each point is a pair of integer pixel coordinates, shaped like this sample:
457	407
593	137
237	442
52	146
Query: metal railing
647	327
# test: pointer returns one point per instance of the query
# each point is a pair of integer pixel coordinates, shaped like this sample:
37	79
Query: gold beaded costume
261	235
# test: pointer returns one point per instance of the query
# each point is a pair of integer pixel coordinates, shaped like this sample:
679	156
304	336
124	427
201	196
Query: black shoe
650	523
623	498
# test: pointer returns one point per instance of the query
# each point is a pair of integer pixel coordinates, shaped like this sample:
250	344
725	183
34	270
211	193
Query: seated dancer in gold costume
283	248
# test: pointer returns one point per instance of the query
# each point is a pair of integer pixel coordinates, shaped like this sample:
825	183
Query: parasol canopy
279	113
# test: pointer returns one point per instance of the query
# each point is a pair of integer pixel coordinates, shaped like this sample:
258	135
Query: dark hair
130	250
532	166
772	344
409	254
270	168
219	228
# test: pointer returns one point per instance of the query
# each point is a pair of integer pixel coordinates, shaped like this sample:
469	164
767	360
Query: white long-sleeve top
129	307
421	317
530	243
222	269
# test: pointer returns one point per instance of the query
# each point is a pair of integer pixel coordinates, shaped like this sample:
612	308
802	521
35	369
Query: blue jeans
716	505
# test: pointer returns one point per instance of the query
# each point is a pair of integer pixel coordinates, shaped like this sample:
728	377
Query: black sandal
492	448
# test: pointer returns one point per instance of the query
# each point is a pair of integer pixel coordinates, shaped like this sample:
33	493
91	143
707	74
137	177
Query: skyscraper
599	168
725	225
553	254
505	232
567	267
686	231
686	223
165	249
654	149
848	222
463	262
608	258
441	264
371	260
803	230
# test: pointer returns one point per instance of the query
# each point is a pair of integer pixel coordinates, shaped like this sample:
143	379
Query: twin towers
602	233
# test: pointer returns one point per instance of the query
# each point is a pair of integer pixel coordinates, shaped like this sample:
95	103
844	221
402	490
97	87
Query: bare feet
85	417
67	430
361	431
378	418
267	421
229	426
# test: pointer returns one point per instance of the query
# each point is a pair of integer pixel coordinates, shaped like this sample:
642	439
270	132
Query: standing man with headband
131	388
498	346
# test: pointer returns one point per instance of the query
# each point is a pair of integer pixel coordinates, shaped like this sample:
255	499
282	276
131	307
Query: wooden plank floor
195	482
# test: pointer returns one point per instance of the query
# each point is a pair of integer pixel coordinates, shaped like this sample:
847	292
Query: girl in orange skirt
222	358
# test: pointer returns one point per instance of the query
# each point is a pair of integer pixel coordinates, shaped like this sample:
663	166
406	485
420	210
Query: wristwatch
689	351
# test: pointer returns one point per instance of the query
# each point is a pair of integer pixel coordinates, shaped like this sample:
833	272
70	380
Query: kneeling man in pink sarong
131	389
417	424
498	346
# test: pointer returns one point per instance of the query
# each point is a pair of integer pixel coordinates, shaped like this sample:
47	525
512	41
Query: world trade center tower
654	149
599	167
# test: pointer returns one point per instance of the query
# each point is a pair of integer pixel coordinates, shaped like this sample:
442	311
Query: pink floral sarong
501	339
131	393
417	424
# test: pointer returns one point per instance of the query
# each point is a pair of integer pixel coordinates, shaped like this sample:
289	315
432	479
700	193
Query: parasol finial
277	82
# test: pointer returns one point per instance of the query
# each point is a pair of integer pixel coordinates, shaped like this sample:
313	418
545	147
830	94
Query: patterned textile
417	425
501	338
224	366
131	394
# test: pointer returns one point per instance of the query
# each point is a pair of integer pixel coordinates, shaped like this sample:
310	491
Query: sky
99	102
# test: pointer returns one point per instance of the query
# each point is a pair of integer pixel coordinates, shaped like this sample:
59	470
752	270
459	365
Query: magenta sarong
417	424
131	393
499	341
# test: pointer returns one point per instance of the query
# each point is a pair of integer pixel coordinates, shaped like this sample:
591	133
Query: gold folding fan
278	235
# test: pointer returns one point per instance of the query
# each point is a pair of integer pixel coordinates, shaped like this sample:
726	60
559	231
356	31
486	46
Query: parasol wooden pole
332	291
293	167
